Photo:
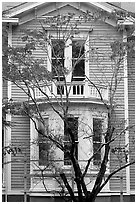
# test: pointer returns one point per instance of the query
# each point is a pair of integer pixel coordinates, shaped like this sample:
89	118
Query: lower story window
72	123
97	140
44	143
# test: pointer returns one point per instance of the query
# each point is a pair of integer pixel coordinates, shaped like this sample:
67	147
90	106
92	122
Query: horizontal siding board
20	135
100	38
101	72
17	93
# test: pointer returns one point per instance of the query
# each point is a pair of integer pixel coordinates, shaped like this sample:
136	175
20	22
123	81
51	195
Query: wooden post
72	178
25	177
86	89
121	177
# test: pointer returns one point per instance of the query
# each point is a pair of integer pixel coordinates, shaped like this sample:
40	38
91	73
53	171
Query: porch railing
76	89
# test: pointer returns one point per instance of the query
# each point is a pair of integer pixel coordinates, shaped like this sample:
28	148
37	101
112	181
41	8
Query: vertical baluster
102	92
54	88
91	90
48	90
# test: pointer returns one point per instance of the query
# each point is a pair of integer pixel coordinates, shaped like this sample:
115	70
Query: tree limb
63	176
114	172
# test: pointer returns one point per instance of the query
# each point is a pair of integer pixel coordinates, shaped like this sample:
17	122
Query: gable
55	8
28	11
64	10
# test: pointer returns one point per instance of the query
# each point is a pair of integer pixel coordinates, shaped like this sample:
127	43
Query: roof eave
15	13
126	22
10	20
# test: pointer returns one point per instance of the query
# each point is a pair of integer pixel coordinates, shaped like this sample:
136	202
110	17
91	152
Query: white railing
76	89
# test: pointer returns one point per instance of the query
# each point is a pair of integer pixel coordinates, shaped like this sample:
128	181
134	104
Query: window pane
78	58
77	49
57	57
57	67
97	129
60	90
44	143
79	69
43	153
58	48
97	138
73	125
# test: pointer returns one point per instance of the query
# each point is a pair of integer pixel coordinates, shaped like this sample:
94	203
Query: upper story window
68	59
57	58
78	59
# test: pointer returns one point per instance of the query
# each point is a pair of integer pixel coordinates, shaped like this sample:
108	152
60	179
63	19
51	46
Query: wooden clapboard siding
115	182
131	102
19	32
99	58
101	72
20	137
17	93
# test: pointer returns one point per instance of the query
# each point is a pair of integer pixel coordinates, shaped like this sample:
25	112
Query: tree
31	76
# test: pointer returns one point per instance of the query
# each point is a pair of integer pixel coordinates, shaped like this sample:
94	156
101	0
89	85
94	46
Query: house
21	172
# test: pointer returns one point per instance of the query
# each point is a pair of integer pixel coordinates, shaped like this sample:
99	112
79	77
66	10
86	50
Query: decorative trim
75	5
25	9
87	56
33	146
32	6
49	67
8	130
126	113
7	168
10	20
9	43
102	7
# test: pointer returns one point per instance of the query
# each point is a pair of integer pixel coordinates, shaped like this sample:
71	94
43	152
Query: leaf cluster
11	150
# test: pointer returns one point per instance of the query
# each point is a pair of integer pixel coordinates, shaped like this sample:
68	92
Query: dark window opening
73	125
60	90
97	140
44	143
78	90
78	60
57	58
